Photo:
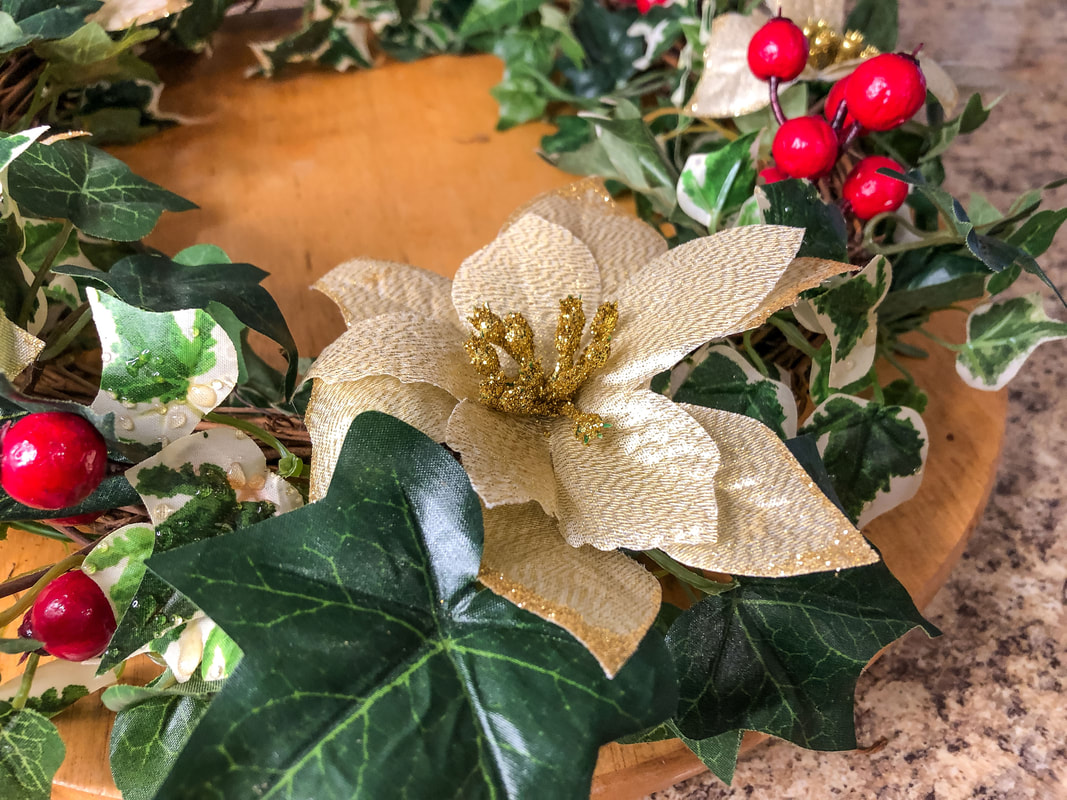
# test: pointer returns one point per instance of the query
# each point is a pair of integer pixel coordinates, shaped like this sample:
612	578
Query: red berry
72	617
772	175
79	519
885	91
805	147
52	460
833	102
778	50
870	193
644	6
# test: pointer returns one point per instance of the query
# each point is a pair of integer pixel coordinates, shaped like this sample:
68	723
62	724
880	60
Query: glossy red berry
772	175
870	193
778	50
72	617
805	147
52	460
885	91
833	102
644	6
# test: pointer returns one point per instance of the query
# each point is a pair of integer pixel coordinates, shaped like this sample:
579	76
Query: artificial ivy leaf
147	738
69	179
156	283
57	685
798	204
14	144
113	492
877	21
26	21
847	312
611	51
928	279
162	371
1001	336
972	117
714	185
782	655
447	691
903	392
1036	234
495	15
717	753
874	453
30	753
17	646
720	377
117	564
528	55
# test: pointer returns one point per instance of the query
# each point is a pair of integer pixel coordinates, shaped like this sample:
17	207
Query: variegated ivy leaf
874	453
199	645
847	313
117	562
12	145
717	376
1001	336
162	371
118	15
57	684
18	348
714	185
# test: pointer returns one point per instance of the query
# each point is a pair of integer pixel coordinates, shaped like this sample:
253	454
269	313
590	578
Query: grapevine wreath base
195	468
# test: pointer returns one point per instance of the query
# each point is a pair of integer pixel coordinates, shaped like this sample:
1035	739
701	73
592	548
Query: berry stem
65	333
26	310
839	116
793	336
23	603
776	105
853	132
689	576
18	702
753	356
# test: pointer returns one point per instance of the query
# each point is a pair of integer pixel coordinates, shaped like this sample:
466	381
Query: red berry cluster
880	94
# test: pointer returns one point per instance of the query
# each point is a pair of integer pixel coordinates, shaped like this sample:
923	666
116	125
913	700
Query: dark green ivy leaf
156	283
16	646
97	192
798	204
782	655
376	666
495	15
26	21
50	702
609	48
1036	234
113	492
877	21
30	753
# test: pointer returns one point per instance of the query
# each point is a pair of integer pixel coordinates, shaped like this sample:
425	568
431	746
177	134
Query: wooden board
403	163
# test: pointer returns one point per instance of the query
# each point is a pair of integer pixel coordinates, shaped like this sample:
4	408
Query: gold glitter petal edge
648	483
18	349
605	600
333	406
526	270
365	287
506	456
773	520
621	244
692	294
411	347
801	274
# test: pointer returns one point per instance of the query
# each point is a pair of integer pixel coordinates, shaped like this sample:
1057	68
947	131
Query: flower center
533	391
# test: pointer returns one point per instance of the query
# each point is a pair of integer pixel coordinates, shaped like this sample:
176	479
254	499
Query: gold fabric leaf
528	269
832	11
727	87
333	406
606	600
365	288
801	274
773	520
692	294
407	346
507	457
648	483
18	349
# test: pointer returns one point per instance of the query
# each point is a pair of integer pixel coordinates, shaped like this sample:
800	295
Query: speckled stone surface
980	712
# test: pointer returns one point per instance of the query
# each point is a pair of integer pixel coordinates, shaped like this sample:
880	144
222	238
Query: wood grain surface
403	163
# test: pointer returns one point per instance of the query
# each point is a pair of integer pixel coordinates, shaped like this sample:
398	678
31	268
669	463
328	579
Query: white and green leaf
162	370
117	562
1001	336
713	185
14	144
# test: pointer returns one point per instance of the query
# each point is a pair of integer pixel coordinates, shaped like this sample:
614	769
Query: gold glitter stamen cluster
532	391
826	46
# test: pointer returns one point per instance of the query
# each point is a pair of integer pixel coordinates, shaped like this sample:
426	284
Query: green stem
947	345
18	702
688	576
288	465
42	273
794	336
46	531
887	354
876	387
930	240
753	356
65	333
23	603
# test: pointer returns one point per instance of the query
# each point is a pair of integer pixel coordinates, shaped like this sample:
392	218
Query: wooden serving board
403	163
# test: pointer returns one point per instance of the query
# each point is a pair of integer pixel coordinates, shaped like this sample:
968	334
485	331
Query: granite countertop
979	712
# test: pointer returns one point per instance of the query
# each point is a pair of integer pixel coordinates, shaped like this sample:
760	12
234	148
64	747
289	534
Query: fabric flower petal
408	346
696	292
528	269
649	482
773	520
606	600
364	288
333	406
620	243
506	456
801	274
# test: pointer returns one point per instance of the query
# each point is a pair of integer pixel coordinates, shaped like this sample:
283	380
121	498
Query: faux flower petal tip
652	474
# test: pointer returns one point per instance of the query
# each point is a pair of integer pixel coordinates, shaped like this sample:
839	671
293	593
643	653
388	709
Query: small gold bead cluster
826	46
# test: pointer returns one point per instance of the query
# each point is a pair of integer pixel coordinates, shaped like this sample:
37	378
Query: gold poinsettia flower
571	453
